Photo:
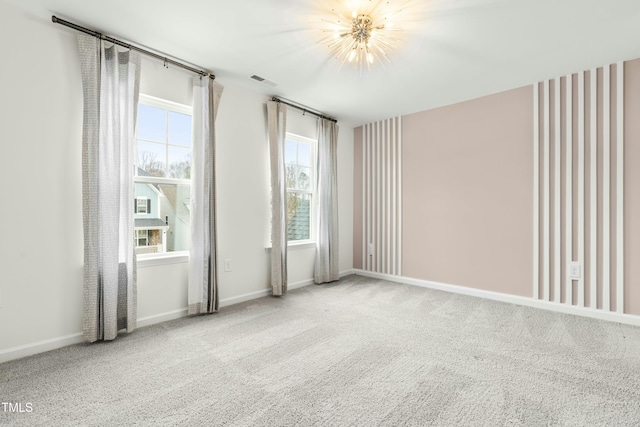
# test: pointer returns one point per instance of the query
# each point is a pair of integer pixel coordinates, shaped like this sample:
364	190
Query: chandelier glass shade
363	33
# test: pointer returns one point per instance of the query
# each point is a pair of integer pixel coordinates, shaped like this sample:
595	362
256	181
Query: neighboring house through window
300	177
163	176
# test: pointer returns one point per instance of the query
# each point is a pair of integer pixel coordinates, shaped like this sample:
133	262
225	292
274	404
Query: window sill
307	244
152	261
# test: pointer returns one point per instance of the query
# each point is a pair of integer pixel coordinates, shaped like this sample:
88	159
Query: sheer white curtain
277	123
110	81
203	271
327	266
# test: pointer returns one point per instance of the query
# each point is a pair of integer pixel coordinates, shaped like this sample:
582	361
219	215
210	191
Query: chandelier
364	36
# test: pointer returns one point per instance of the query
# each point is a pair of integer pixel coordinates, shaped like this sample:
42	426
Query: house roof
298	226
149	223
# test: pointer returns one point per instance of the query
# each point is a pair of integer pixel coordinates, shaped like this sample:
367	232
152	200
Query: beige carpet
360	352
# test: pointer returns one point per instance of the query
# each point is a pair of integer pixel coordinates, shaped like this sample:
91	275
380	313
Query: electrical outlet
370	249
227	264
574	270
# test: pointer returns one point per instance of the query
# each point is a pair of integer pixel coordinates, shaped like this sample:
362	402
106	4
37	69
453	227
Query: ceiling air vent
263	80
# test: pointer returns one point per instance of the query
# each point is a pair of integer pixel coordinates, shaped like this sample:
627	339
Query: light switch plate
574	270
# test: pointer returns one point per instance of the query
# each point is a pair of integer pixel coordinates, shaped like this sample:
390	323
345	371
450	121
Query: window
300	177
143	205
162	178
142	237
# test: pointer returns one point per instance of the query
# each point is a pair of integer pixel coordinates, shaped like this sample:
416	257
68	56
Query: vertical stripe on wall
365	189
556	220
546	189
378	205
568	186
593	197
581	187
398	145
536	191
606	186
592	117
382	200
620	189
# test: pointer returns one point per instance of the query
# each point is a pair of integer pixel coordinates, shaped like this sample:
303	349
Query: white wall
41	244
41	215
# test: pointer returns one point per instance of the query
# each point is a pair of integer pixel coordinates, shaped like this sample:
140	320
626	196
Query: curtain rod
302	108
101	36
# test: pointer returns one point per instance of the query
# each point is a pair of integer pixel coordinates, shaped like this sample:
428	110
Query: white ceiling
455	49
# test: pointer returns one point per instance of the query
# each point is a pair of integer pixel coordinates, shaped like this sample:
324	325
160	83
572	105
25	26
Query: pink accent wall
468	193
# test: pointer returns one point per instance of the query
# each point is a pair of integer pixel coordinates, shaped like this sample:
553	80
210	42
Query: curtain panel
327	265
110	82
277	127
203	268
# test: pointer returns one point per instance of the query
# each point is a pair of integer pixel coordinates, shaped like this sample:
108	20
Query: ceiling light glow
363	32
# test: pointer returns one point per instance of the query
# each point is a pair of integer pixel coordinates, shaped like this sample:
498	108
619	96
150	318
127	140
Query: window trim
153	101
147	260
162	259
295	245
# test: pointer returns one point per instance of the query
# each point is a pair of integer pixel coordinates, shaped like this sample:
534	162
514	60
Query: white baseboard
300	284
59	342
225	302
628	319
347	273
25	350
21	351
162	317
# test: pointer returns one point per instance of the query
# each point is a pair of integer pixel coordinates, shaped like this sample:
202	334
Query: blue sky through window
152	123
164	142
179	129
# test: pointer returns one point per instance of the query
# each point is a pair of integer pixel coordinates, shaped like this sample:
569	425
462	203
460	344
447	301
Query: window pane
179	163
179	129
151	159
291	176
152	123
141	205
290	156
167	224
304	154
304	178
299	216
146	195
175	209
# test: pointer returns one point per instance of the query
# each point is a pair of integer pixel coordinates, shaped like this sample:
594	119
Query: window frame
145	204
145	260
139	237
313	145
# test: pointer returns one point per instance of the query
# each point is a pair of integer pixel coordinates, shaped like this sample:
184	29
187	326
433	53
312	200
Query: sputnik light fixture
363	32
